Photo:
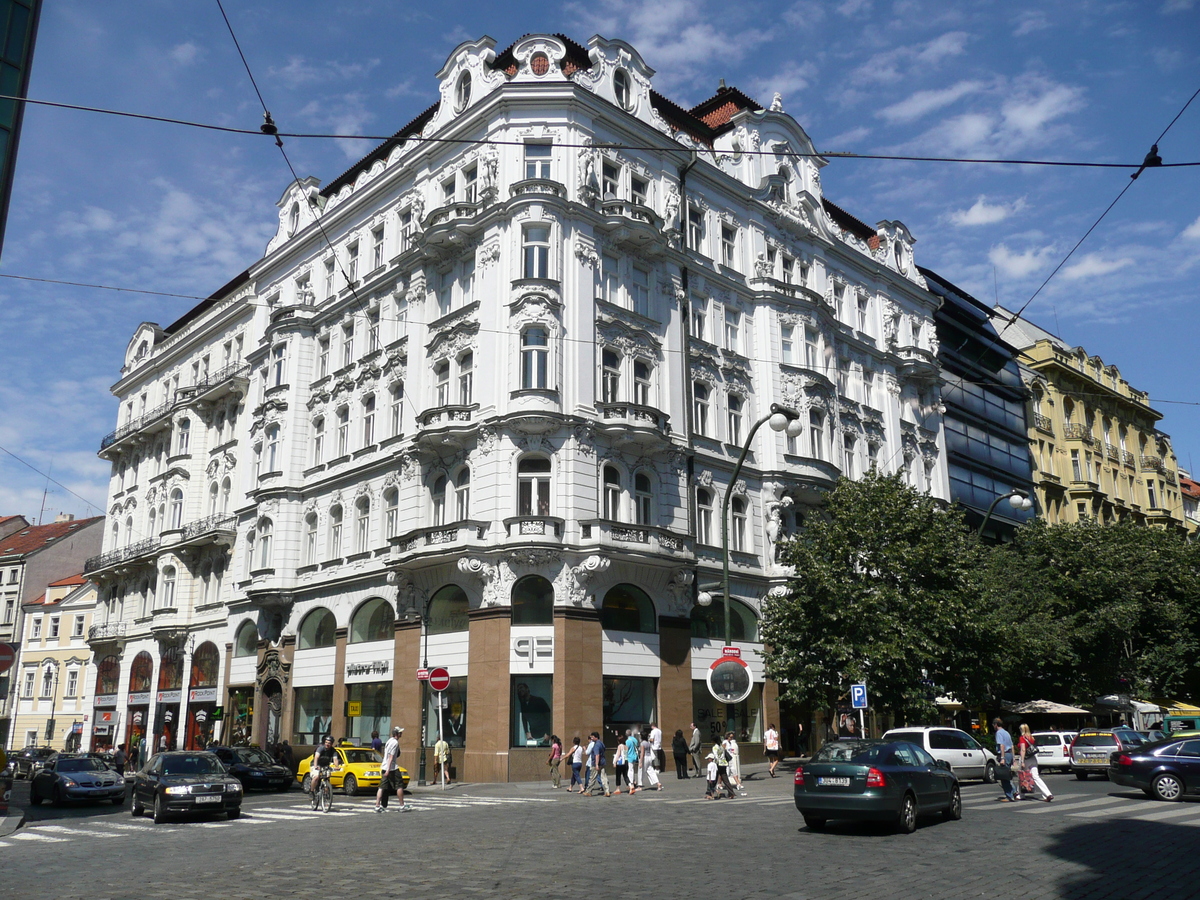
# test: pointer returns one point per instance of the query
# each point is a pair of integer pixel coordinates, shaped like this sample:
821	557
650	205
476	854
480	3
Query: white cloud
851	8
1029	22
299	71
1019	265
791	80
804	14
1038	103
1174	6
922	102
853	136
892	66
1093	265
984	213
185	54
1192	232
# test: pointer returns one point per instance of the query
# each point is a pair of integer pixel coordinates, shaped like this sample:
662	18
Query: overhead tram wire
90	505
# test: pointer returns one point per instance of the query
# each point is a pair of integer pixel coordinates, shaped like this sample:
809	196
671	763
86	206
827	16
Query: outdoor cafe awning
1048	707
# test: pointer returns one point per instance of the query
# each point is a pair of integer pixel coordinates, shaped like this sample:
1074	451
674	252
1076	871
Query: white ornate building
507	401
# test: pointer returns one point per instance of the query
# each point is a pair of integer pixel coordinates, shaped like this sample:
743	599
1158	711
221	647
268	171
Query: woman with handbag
1027	748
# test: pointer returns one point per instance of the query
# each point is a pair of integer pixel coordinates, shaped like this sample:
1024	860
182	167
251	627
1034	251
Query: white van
967	757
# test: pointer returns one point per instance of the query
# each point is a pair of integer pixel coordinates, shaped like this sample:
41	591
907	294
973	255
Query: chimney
64	517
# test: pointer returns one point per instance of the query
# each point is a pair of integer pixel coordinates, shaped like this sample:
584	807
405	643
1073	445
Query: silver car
967	757
68	777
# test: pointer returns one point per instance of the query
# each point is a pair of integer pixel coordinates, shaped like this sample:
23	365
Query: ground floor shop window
629	703
715	720
532	702
240	717
374	711
314	714
135	732
453	714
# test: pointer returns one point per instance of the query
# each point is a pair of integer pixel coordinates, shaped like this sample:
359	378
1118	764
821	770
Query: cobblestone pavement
516	841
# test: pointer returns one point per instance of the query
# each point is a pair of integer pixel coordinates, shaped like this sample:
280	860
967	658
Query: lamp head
778	421
794	428
704	598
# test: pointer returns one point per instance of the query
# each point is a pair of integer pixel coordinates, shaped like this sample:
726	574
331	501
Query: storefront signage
734	652
202	695
353	709
533	648
218	713
170	696
102	729
377	667
141	698
106	716
106	699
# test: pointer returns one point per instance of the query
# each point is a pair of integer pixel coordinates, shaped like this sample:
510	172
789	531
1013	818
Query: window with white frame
812	349
362	526
849	455
462	494
47	682
30	679
391	512
533	486
278	365
639	190
445	293
439	500
323	357
310	539
538	160
733	330
699	318
77	629
377	248
643	498
787	340
695	227
536	246
176	509
272	458
318	440
265	534
441	382
868	387
470	181
466	281
335	532
641	382
347	345
639	289
166	592
352	262
700	408
704	516
610	282
610	181
535	358
397	408
728	245
734	405
612	494
328	273
816	434
343	431
36	629
72	682
839	300
863	310
368	414
466	379
407	227
789	269
610	377
737	509
373	331
185	437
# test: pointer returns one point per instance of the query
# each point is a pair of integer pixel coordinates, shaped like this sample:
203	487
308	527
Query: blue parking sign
858	696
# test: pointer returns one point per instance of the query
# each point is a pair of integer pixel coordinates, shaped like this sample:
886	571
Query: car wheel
306	784
907	823
35	799
135	807
1082	776
954	810
989	774
814	824
232	814
1167	787
160	811
58	798
350	786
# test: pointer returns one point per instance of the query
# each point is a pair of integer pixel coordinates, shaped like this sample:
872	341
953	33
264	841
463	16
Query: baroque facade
485	414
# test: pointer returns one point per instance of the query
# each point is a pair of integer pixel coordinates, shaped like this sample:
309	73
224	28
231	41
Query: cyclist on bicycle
324	758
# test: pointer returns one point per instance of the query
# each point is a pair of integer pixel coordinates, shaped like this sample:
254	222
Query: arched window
214	498
462	92
643	498
141	673
176	508
226	490
391	510
265	533
628	608
129	530
205	661
448	610
622	90
310	539
335	532
535	358
48	680
108	675
166	596
462	495
704	516
293	219
439	500
362	525
184	439
153	523
612	494
533	486
737	507
271	459
317	630
708	622
170	670
533	601
610	377
700	411
246	641
373	621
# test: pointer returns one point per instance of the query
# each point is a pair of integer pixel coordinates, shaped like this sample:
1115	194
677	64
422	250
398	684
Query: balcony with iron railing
122	556
1128	458
1077	432
1112	451
1153	464
1043	423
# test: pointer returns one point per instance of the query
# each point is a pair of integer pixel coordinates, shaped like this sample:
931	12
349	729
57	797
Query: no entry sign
439	679
8	656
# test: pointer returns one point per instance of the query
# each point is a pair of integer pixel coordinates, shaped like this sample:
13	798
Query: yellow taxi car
360	770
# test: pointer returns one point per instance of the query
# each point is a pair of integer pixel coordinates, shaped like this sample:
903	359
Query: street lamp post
424	690
1017	499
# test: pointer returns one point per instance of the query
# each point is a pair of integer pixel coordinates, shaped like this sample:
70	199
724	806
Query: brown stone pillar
675	681
485	757
287	710
578	673
338	724
406	692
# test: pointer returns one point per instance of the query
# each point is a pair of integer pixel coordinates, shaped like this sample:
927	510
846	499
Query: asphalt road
515	841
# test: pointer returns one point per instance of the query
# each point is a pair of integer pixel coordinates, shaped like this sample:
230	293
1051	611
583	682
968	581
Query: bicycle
322	794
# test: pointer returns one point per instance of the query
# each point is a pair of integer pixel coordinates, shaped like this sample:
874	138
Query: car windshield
252	756
858	752
192	765
362	755
1044	738
1095	740
81	765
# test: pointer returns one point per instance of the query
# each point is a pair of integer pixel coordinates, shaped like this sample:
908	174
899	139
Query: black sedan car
875	780
1166	770
76	776
254	768
185	781
26	762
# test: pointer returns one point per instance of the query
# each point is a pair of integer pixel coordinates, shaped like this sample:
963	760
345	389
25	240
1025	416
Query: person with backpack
1027	749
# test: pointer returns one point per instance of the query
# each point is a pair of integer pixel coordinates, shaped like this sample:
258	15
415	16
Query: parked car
254	768
360	769
967	757
27	761
76	776
1054	749
1166	770
885	780
182	781
1090	751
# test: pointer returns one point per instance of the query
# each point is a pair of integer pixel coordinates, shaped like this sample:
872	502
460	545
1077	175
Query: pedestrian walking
119	759
650	764
441	753
620	766
576	766
1027	747
1004	749
799	738
710	775
555	761
771	746
587	766
633	750
598	763
376	743
694	750
719	756
679	749
389	774
660	759
735	761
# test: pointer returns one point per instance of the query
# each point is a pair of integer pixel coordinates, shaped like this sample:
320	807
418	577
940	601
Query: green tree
881	591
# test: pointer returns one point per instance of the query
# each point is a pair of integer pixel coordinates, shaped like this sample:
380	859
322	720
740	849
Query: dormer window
462	92
622	89
293	219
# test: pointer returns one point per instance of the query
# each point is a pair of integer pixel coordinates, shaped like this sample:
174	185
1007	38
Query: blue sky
165	208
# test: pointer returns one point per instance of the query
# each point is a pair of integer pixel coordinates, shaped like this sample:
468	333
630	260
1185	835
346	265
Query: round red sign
439	679
8	656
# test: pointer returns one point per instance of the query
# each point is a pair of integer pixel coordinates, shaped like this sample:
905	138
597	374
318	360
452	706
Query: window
368	433
375	620
640	291
323	357
77	630
166	595
789	269
373	331
439	500
1151	494
533	486
352	262
735	418
310	539
700	409
30	678
462	92
816	434
639	190
318	441
733	330
704	516
537	251
10	610
343	431
470	181
612	494
377	248
862	313
397	408
347	345
466	281
1076	466
245	643
532	703
176	508
737	507
839	299
696	228
448	190
272	455
448	611
849	448
278	365
699	318
335	533
72	682
391	511
609	281
537	160
610	377
36	633
265	530
532	601
812	349
535	358
47	682
319	629
643	498
868	387
462	495
622	89
329	291
362	527
441	380
466	378
406	229
728	244
628	608
185	437
787	341
226	490
610	180
641	383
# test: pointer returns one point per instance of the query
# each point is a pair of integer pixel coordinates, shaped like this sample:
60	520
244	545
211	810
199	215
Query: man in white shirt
656	745
389	774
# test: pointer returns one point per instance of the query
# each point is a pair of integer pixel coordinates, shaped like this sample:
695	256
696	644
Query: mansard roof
847	222
727	102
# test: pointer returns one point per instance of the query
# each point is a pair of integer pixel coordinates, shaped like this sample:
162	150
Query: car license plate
208	798
833	782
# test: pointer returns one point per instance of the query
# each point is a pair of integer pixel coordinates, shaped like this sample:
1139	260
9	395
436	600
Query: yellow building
53	697
1097	452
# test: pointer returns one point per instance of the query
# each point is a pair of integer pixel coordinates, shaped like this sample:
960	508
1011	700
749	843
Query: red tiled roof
718	109
4	519
35	537
1189	488
69	581
37	601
